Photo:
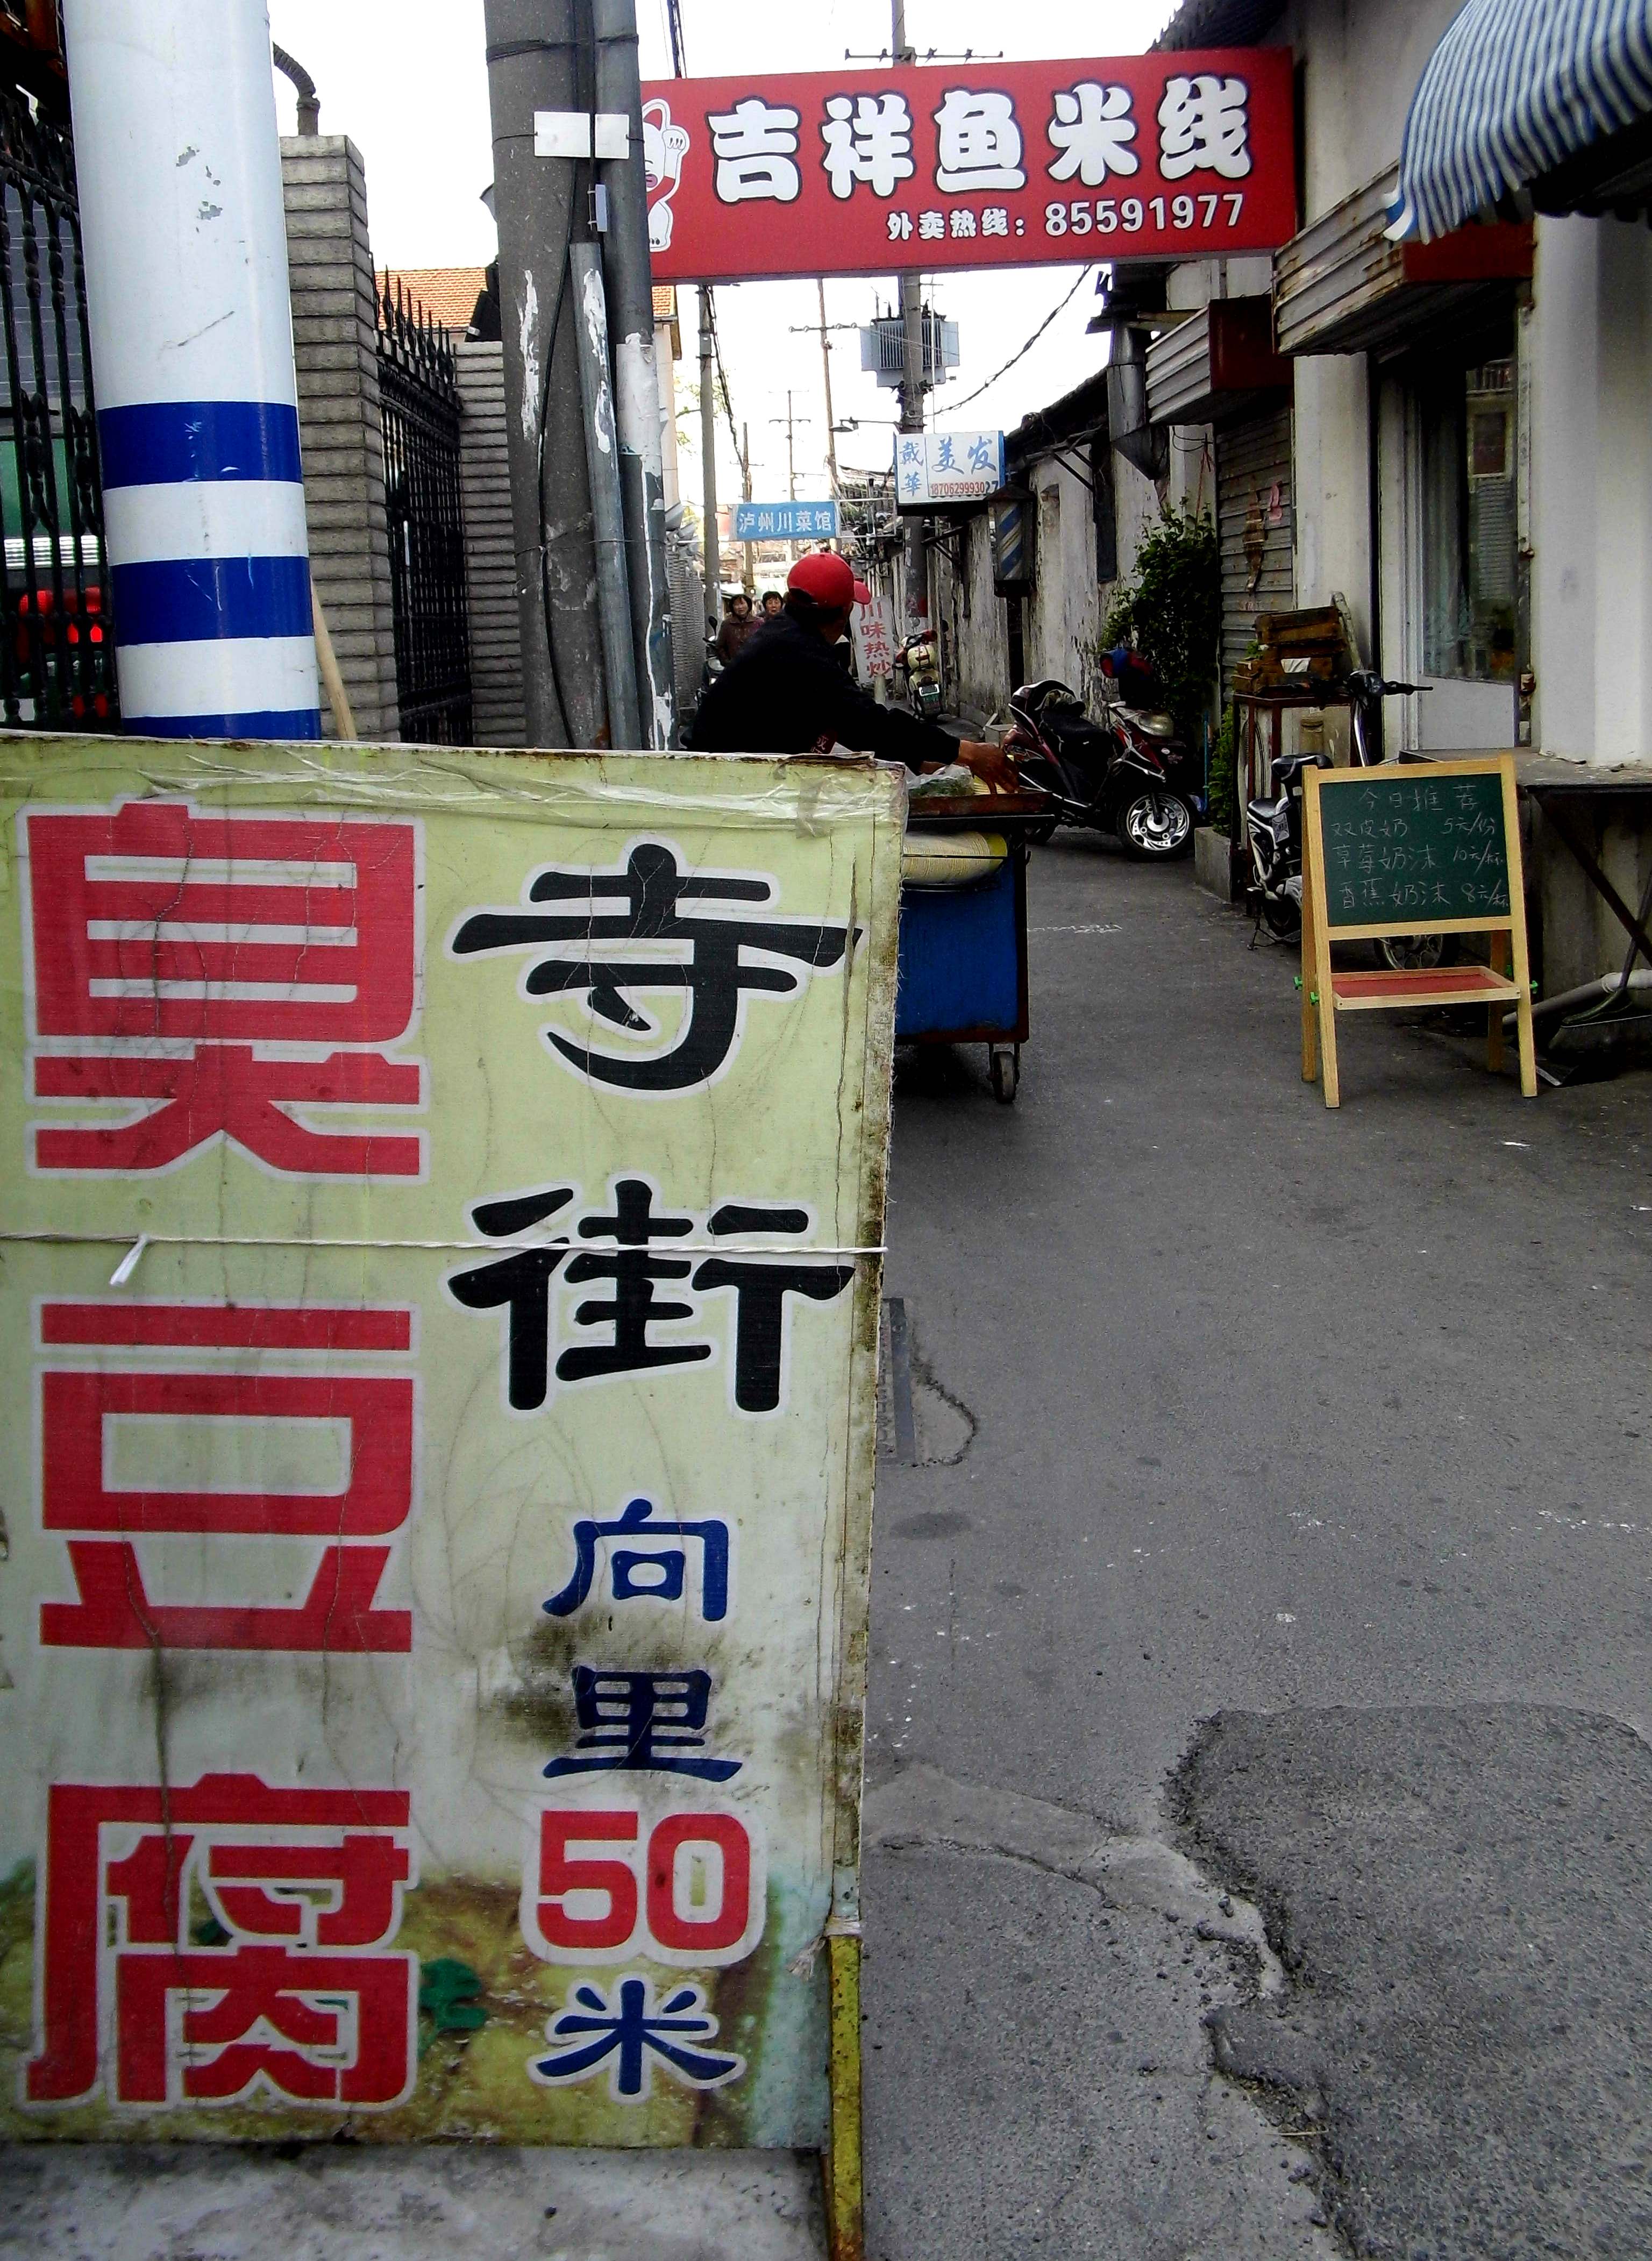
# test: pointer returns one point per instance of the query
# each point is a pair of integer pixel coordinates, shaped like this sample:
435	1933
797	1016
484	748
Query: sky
406	80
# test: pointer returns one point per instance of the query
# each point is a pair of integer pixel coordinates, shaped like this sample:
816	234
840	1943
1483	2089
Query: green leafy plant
1224	773
1171	611
450	1996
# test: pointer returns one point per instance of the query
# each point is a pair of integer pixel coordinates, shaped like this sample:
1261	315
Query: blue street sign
785	521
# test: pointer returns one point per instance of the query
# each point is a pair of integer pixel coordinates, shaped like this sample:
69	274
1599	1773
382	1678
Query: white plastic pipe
206	558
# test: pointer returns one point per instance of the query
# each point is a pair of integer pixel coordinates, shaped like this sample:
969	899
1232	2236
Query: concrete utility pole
708	458
607	504
826	372
540	204
637	382
916	574
750	576
192	333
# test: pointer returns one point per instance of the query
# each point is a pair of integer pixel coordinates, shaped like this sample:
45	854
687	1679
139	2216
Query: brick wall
330	268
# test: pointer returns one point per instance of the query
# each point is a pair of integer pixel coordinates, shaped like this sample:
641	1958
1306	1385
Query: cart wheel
1004	1068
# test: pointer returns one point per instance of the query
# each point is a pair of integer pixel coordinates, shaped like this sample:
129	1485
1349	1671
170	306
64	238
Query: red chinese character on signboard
216	973
299	1996
77	1403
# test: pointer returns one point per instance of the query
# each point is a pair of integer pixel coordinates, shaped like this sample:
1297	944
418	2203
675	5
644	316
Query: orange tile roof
448	294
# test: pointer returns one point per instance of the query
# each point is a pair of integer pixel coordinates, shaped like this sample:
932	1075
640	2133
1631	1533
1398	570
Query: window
1468	530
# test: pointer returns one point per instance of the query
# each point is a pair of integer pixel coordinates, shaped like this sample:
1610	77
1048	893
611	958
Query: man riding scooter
786	693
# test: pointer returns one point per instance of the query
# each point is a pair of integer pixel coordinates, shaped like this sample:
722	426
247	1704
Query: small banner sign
441	1228
947	467
867	169
785	521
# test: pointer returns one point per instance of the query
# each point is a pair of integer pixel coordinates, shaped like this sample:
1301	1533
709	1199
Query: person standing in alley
788	694
738	623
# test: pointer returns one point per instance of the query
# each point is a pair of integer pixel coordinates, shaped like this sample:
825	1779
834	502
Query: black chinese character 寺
715	960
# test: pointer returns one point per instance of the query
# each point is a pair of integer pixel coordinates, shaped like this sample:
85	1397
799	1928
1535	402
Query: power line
953	405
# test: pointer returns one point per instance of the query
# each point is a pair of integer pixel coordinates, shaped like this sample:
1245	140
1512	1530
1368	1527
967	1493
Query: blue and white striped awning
1514	89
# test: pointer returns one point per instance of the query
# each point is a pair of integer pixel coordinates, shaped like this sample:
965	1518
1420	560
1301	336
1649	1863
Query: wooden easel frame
1324	993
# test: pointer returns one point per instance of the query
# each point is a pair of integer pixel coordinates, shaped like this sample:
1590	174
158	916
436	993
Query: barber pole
179	168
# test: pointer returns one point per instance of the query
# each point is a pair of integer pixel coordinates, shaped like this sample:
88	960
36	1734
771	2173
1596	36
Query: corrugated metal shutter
490	549
1255	523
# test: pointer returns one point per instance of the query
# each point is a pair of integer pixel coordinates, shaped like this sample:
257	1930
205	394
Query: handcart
964	946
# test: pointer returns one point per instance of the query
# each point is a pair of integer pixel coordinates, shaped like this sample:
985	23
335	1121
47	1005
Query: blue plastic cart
964	949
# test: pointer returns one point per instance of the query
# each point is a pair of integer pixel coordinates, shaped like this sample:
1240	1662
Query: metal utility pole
708	459
637	384
541	206
916	573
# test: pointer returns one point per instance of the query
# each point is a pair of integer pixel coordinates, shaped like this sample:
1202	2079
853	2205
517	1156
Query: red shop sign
978	164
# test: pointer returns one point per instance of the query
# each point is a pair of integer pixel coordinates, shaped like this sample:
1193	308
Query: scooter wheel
1282	914
1004	1070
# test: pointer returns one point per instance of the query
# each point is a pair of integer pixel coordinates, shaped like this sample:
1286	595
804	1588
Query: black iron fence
57	665
427	529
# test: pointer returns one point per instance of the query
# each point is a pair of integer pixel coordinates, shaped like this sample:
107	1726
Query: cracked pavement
1329	1428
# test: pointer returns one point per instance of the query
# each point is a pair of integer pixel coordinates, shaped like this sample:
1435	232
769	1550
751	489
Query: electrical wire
953	406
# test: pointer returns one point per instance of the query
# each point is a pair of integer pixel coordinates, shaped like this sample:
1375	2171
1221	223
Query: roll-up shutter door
1256	521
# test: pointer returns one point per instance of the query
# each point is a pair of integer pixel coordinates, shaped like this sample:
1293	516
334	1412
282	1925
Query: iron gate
57	667
421	413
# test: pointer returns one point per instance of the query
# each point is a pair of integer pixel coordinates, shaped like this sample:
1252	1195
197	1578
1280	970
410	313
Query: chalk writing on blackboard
1413	848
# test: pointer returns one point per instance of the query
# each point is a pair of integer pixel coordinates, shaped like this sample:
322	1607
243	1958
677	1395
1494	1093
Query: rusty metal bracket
845	2214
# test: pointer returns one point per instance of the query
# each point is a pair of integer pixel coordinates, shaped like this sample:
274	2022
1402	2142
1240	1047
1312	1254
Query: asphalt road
1259	1774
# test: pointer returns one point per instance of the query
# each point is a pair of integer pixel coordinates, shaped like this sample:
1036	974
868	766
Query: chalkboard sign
1405	851
1402	847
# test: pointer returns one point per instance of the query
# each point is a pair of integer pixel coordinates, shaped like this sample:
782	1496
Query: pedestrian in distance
738	622
787	693
773	604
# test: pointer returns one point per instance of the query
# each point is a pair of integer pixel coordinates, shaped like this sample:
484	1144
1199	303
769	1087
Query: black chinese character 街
633	1307
520	1282
642	1722
719	966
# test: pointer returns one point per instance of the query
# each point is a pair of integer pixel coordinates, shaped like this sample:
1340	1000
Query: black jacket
786	692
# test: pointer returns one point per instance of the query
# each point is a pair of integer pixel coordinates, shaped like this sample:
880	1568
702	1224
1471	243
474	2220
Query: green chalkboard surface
1402	847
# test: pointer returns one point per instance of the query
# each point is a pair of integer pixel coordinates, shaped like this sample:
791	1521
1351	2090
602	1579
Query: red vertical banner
974	164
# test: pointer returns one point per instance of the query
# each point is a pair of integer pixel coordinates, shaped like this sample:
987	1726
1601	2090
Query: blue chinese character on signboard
983	453
943	458
642	1723
642	1571
912	483
911	451
632	2032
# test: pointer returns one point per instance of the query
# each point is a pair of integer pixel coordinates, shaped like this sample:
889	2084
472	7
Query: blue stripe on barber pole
184	599
160	442
271	723
1515	88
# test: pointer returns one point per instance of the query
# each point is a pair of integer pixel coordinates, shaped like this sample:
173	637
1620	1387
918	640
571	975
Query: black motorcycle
1128	775
1273	827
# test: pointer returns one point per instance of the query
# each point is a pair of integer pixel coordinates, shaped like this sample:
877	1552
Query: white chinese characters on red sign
213	974
973	167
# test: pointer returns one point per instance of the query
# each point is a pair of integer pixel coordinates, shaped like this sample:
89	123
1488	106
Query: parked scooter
1127	775
917	657
1273	826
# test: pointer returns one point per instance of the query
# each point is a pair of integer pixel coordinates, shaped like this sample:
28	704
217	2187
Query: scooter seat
1153	725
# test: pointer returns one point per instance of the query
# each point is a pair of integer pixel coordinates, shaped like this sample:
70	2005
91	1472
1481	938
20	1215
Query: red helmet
830	580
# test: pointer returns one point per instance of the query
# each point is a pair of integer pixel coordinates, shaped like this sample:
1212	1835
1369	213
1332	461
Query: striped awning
1515	89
